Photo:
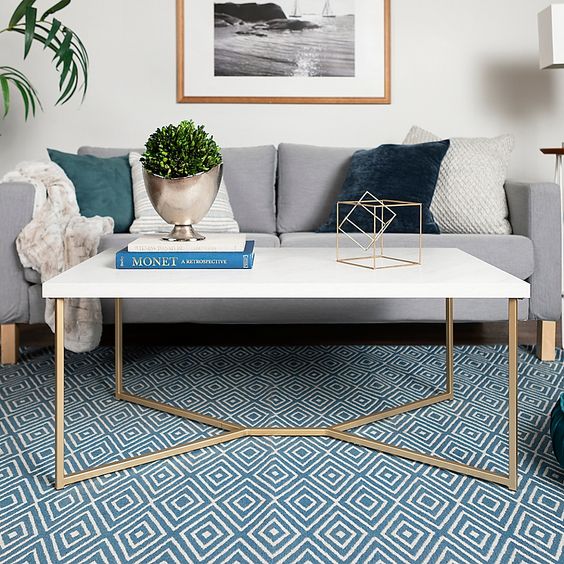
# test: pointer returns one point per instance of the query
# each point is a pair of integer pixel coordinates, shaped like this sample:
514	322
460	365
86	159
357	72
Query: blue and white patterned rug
279	499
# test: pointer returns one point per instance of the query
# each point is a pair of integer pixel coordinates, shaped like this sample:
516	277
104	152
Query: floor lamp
551	51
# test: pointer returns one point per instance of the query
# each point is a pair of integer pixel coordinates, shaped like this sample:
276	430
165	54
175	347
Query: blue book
174	261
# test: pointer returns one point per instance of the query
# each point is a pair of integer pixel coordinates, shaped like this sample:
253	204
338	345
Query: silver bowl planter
183	201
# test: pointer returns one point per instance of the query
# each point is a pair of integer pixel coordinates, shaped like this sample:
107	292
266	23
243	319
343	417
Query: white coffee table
298	274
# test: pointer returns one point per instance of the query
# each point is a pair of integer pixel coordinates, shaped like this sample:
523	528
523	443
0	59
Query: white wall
459	68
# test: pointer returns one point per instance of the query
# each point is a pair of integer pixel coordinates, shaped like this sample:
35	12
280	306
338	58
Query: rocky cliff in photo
251	11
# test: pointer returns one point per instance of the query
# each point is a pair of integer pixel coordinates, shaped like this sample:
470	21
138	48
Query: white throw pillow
470	195
218	220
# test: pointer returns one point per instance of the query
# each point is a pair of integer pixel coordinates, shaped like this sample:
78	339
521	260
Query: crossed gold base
234	431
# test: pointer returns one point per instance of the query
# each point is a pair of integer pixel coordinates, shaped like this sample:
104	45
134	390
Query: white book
214	243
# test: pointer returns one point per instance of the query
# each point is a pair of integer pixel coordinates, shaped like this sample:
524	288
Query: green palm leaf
20	11
56	25
64	48
10	75
5	93
70	57
30	19
53	9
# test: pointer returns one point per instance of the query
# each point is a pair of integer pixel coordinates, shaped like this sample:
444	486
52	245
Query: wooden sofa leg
10	337
546	340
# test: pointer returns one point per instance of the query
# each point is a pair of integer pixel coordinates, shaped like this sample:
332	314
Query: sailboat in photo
296	12
328	10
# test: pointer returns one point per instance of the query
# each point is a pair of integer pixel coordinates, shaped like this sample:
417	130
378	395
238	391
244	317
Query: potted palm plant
70	58
182	169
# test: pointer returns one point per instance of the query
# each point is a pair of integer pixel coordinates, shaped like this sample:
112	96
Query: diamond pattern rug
278	499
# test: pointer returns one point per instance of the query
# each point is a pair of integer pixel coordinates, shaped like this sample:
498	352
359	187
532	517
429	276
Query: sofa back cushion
309	181
250	174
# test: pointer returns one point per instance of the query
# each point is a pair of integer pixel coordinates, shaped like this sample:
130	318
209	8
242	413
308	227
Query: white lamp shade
551	37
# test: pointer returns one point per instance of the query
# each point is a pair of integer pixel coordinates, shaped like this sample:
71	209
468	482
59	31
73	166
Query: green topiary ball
174	151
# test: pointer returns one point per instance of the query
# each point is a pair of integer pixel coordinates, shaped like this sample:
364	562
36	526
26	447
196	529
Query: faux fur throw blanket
56	239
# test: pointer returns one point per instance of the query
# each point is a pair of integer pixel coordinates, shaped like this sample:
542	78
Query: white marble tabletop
294	273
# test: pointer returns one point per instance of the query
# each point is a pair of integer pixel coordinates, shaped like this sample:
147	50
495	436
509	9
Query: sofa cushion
121	240
102	186
470	195
398	173
106	152
250	174
309	181
511	253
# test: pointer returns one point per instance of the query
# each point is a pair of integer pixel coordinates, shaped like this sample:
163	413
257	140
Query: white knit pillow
218	220
470	197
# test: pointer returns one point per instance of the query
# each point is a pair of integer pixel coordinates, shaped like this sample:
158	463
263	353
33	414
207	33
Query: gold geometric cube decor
381	213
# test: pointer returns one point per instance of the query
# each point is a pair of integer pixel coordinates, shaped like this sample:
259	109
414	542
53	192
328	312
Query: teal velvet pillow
394	172
102	185
557	430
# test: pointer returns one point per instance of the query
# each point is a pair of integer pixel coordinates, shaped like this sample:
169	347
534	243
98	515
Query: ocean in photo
254	49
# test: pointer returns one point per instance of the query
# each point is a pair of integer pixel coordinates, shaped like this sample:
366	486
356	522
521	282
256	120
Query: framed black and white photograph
288	51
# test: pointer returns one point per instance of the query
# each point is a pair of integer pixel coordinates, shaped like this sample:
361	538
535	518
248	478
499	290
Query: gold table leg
118	347
513	477
450	347
234	431
60	393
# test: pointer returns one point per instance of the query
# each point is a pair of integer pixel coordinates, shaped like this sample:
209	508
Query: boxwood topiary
180	150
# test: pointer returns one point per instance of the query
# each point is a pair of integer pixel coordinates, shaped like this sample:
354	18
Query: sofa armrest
534	210
16	210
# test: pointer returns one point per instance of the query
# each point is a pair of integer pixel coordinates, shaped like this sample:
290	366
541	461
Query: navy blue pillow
394	172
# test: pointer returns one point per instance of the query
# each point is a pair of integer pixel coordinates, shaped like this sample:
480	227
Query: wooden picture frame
183	95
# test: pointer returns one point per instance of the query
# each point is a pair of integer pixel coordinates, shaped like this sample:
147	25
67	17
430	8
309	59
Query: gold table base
234	431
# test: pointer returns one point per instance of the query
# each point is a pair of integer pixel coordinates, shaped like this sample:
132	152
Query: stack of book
216	251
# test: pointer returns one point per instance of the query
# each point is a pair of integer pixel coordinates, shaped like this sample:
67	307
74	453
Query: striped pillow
218	220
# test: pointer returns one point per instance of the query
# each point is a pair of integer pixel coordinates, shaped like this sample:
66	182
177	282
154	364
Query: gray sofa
279	197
